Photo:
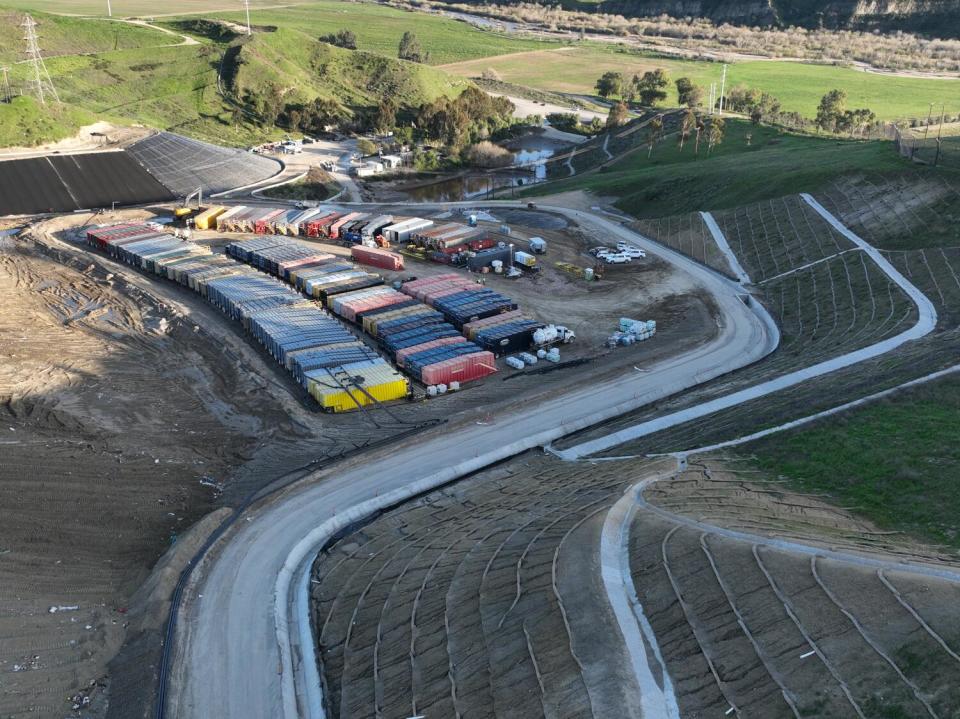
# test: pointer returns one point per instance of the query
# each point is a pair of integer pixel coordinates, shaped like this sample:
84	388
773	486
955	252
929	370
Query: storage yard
329	295
248	394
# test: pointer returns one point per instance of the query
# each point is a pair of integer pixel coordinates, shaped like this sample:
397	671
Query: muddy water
530	154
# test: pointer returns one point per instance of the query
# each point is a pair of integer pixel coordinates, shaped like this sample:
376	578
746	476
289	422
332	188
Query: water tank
432	390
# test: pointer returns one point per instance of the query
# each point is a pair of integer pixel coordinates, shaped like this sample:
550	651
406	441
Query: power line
41	82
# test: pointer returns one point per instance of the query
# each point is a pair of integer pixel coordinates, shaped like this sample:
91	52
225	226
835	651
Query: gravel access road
244	645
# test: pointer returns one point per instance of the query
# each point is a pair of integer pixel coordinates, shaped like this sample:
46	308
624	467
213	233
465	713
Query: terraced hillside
689	235
753	628
461	605
484	600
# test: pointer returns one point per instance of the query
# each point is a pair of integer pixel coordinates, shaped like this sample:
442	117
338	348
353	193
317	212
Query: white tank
441	388
454	386
545	335
541	353
432	391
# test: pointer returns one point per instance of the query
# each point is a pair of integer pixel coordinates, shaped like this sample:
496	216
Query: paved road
245	619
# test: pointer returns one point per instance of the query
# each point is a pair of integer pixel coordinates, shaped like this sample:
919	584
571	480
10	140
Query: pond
530	154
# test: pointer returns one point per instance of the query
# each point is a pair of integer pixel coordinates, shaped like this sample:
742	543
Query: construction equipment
183	213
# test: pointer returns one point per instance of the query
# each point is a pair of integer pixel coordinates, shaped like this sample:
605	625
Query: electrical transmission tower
42	84
5	94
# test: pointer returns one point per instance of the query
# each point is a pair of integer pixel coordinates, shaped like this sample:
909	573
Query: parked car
633	252
596	251
615	259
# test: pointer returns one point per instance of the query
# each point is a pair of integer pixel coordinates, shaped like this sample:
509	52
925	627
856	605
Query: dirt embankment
118	428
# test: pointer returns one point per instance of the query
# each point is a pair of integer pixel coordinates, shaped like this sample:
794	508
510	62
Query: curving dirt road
244	645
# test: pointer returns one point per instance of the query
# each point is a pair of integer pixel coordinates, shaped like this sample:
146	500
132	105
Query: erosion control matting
75	182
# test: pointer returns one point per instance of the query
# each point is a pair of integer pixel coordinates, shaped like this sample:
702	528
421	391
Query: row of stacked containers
338	370
316	222
420	326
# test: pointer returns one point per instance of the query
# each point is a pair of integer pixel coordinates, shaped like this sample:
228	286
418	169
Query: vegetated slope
72	36
936	17
772	165
25	123
897	461
379	28
304	69
175	88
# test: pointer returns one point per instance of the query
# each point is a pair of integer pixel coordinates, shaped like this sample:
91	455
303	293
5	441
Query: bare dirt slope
117	426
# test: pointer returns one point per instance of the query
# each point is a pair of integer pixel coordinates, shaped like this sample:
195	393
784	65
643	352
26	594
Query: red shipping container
350	309
377	257
455	250
407	351
432	297
460	284
459	369
261	225
483	244
414	284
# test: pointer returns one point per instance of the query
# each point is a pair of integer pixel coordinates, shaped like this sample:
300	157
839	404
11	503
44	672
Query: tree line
650	90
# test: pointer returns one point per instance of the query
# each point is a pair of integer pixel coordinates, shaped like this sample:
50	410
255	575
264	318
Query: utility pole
41	82
926	127
109	9
723	88
936	160
246	5
713	97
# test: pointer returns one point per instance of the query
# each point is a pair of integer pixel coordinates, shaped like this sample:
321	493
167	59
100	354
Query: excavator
182	214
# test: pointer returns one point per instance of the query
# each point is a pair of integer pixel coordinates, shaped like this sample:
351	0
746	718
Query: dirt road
249	602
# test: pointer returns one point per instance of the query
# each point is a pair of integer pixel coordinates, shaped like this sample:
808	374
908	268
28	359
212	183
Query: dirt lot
119	423
129	409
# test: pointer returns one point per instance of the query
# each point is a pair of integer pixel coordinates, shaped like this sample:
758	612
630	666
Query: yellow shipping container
206	220
370	324
381	383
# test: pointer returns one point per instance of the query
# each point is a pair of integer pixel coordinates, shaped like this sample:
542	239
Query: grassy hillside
129	8
379	29
772	165
175	88
799	86
897	461
68	36
23	123
305	69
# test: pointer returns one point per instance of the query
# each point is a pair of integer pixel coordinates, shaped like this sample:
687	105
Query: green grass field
66	36
773	165
896	462
380	28
131	8
799	86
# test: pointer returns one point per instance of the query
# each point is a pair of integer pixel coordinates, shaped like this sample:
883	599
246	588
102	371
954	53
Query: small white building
391	162
369	168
